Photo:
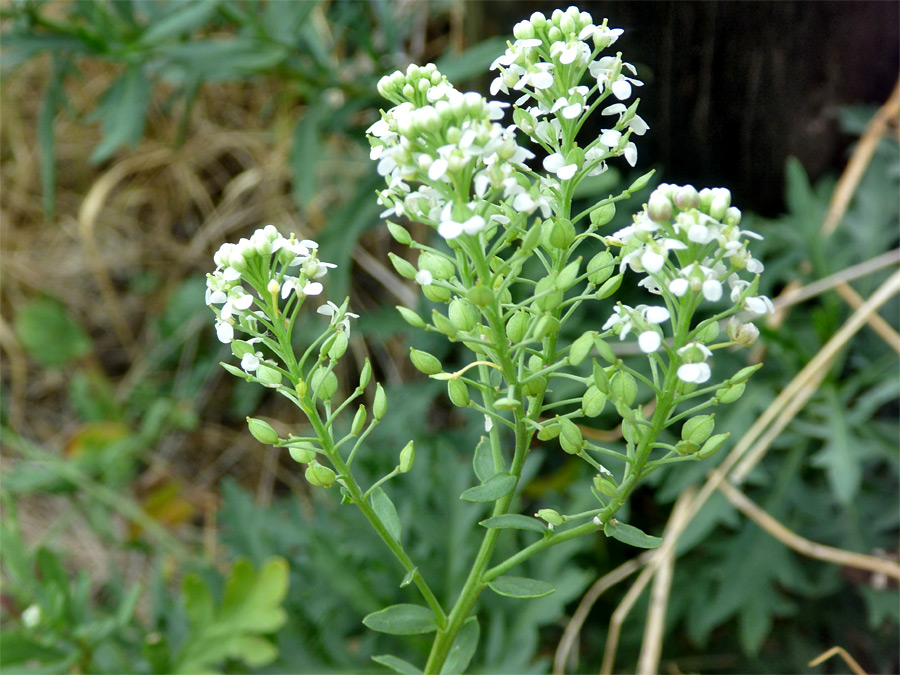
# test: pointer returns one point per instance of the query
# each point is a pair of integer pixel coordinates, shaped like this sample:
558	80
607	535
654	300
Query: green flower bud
730	393
425	362
516	326
399	233
407	457
262	431
685	448
359	421
602	215
580	349
379	403
458	392
698	429
600	267
641	182
567	276
318	475
712	445
439	266
562	234
606	485
324	383
411	317
268	376
339	346
552	517
404	267
623	387
480	295
659	207
570	438
593	402
366	375
436	293
463	314
609	287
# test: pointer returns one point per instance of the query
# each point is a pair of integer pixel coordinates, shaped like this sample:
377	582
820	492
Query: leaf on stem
514	521
483	461
521	587
402	619
396	664
463	648
631	535
386	512
496	487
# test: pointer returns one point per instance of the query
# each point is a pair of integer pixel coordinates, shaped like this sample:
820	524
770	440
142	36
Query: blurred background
138	135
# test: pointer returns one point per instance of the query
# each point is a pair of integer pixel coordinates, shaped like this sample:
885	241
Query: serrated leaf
402	619
252	601
397	664
386	512
483	460
631	535
521	587
463	648
514	521
498	486
49	334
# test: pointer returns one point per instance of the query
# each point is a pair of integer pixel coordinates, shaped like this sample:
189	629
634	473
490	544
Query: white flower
556	164
759	304
655	314
696	373
488	424
678	287
250	362
311	288
224	331
712	290
630	153
332	311
649	341
424	278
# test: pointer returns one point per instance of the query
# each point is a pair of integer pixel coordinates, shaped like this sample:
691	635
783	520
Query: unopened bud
407	457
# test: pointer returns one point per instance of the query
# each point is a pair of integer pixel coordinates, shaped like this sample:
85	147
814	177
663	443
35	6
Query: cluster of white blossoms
448	161
272	265
689	243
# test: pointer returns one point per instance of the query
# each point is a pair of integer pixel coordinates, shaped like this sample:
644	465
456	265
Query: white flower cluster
547	64
690	244
270	264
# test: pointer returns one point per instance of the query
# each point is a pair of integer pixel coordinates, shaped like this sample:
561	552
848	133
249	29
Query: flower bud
593	401
580	349
366	375
458	393
720	203
463	314
302	453
273	286
516	326
622	387
425	362
698	429
411	317
744	334
407	457
600	267
687	197
318	475
379	403
659	207
359	421
552	517
262	431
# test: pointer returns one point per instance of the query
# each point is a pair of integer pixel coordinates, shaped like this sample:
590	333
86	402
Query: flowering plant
506	276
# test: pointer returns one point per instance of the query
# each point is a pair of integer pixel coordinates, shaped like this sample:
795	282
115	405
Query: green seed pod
570	437
602	215
516	326
324	383
567	276
605	351
609	287
547	325
339	346
744	374
547	297
507	403
480	295
318	475
379	403
399	233
458	392
411	317
580	349
262	431
601	379
685	448
606	485
359	421
641	182
302	454
698	429
407	457
623	387
436	293
709	333
712	445
366	375
562	234
593	402
600	267
552	517
532	238
439	266
425	362
443	325
730	393
463	314
268	376
404	268
549	431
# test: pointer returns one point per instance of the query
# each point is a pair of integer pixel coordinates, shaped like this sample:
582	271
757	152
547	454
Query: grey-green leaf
515	521
403	619
521	587
463	648
630	535
483	461
498	486
396	664
387	512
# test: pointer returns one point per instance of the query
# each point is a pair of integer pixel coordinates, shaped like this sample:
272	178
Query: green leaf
397	664
463	648
386	512
253	650
520	587
47	138
123	111
198	603
220	60
18	648
252	601
403	619
305	153
630	535
483	460
498	486
49	334
515	521
184	18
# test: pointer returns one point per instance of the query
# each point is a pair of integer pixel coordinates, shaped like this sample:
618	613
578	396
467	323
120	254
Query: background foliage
145	531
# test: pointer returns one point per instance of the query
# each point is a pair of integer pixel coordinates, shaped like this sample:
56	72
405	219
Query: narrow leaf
463	648
182	19
514	521
386	512
47	138
305	153
521	587
483	460
123	111
397	664
407	580
403	619
630	535
498	486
